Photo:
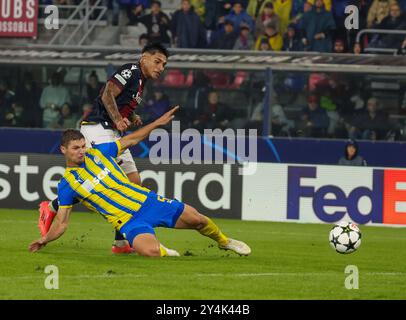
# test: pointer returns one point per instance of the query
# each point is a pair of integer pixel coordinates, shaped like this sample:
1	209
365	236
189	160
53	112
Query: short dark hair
156	2
153	48
70	135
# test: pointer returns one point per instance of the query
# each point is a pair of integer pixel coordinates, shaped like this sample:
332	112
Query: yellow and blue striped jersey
102	186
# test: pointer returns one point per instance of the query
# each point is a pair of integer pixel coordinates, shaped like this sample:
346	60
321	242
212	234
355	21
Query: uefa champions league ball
345	237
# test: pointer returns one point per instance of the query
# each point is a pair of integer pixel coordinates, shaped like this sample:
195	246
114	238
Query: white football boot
170	252
237	246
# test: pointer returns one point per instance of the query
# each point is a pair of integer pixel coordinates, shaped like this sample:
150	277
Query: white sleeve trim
121	79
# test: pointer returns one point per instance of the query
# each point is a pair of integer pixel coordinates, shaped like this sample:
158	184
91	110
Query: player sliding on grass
110	116
96	180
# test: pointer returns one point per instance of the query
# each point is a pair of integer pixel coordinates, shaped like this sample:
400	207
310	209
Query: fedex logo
330	203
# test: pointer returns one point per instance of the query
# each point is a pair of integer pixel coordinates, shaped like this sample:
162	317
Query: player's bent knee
151	252
146	245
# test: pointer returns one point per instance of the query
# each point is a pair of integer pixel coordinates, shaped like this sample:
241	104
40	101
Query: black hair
153	48
70	135
156	2
353	143
94	74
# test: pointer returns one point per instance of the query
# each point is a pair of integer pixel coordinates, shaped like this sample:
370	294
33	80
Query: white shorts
95	133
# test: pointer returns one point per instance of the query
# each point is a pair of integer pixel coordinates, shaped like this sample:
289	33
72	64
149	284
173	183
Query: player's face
154	65
75	152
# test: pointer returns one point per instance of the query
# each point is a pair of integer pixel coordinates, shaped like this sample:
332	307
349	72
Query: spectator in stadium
351	156
214	114
199	7
318	27
327	3
15	116
256	7
372	124
135	9
339	46
239	16
86	109
28	95
187	30
272	36
264	45
245	41
298	18
291	41
280	124
93	87
267	16
215	11
156	107
396	20
6	99
357	49
157	23
378	10
68	119
143	40
314	120
52	98
225	38
283	9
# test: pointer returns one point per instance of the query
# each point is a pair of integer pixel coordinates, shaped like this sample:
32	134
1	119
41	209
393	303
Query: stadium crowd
325	104
287	25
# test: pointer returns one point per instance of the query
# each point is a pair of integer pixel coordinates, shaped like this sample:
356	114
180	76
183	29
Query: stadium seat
174	78
239	79
218	80
189	79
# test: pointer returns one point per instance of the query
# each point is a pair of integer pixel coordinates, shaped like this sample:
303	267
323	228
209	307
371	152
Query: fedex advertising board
325	194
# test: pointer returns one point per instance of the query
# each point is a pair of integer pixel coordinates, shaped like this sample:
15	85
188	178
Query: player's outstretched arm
111	91
58	228
133	138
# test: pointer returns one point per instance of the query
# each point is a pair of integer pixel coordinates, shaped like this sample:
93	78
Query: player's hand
37	245
137	120
167	117
122	124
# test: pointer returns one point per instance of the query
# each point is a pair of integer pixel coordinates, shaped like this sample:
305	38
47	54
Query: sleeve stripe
121	79
118	147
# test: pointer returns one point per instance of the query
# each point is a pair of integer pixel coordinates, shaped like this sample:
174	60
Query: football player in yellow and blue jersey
95	179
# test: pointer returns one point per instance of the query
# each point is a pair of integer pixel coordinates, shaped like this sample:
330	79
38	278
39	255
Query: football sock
119	236
163	251
54	205
212	231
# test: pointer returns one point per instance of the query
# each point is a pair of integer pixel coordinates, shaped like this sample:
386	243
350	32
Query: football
345	237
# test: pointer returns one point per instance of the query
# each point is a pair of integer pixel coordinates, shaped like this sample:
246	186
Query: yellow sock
213	232
163	251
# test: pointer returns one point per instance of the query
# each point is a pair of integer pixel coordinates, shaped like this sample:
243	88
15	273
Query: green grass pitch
288	261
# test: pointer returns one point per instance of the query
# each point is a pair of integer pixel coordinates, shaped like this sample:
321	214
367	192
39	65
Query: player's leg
147	245
192	219
47	213
143	239
126	162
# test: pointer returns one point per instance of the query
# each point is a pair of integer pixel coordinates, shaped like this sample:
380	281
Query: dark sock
54	205
119	236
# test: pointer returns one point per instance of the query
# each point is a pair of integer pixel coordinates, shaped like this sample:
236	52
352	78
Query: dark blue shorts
156	211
